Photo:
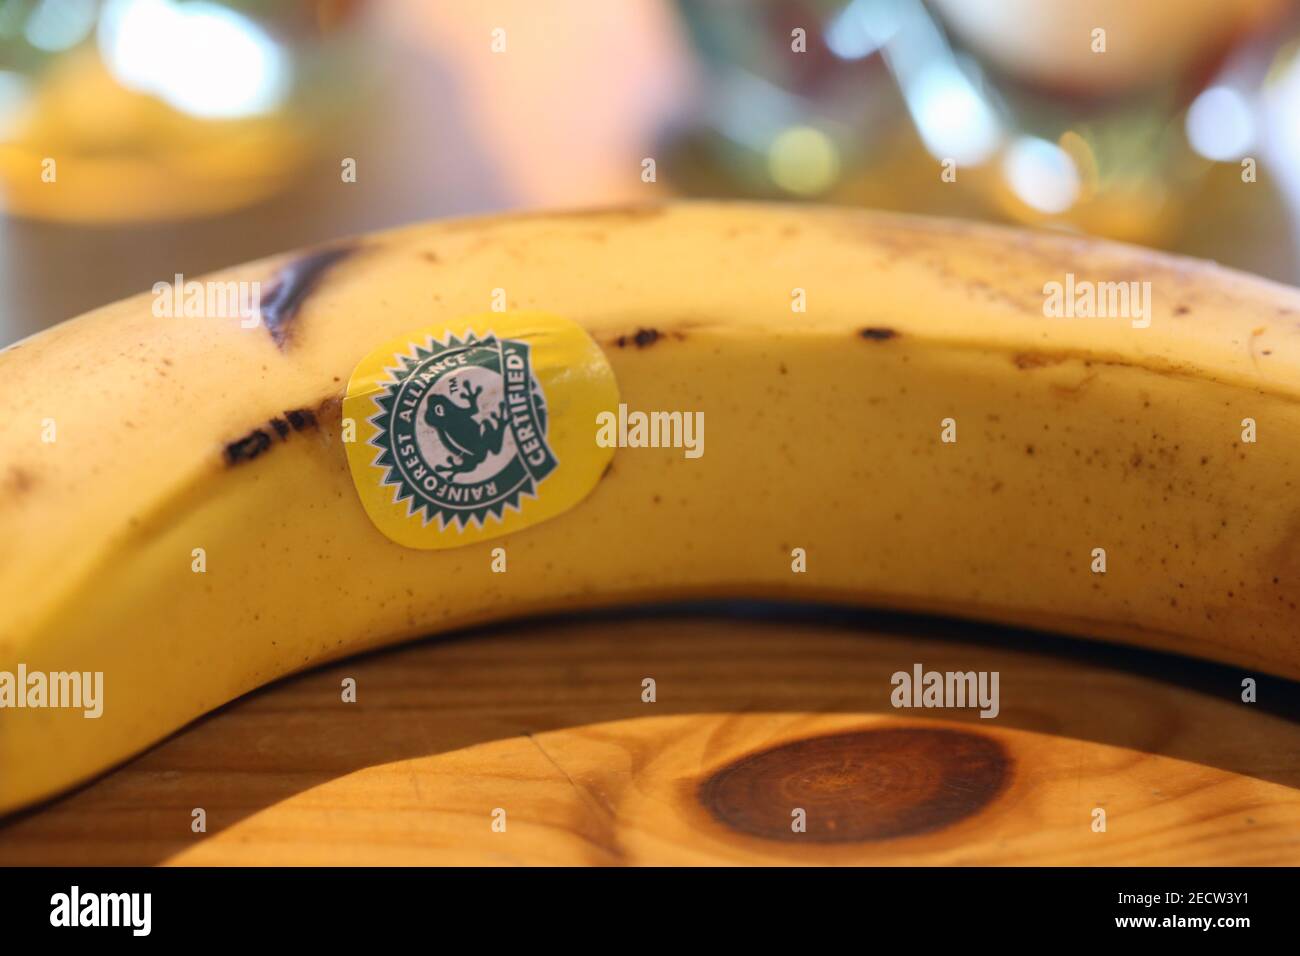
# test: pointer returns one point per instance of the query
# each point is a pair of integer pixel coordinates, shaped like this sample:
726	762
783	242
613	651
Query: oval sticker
478	428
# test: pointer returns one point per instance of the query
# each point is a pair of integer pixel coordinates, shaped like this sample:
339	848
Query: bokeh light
803	161
1041	174
201	58
1221	124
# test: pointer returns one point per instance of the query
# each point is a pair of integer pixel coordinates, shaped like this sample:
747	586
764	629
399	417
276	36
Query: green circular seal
461	429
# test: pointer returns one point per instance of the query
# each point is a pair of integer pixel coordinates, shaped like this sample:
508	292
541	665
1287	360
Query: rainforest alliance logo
462	430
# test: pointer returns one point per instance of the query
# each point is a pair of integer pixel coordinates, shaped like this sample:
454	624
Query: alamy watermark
130	910
208	300
82	690
1085	299
955	689
626	429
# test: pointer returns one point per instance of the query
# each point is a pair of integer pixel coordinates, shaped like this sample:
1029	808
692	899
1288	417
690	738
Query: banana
192	507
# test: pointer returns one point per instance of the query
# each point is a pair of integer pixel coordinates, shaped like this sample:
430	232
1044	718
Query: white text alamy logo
626	429
956	689
56	689
76	908
179	299
1085	299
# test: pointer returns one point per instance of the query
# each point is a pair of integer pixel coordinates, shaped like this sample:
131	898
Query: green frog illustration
469	440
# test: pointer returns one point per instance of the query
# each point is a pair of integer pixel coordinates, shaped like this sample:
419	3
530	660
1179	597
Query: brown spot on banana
1025	360
878	334
1028	361
248	447
1281	569
642	338
292	285
260	439
1077	389
19	481
855	787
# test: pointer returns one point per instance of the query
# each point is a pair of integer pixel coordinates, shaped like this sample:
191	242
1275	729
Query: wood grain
752	720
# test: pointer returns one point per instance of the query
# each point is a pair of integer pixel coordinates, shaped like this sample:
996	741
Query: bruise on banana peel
878	334
19	481
643	338
646	337
293	284
278	427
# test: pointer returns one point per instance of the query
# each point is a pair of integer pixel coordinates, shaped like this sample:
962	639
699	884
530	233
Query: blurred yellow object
1138	212
803	161
121	155
1041	183
1054	42
902	176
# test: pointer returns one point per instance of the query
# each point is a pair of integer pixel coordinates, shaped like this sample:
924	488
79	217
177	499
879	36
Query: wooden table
752	721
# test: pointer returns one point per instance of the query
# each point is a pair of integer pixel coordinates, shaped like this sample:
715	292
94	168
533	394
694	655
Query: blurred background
142	138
